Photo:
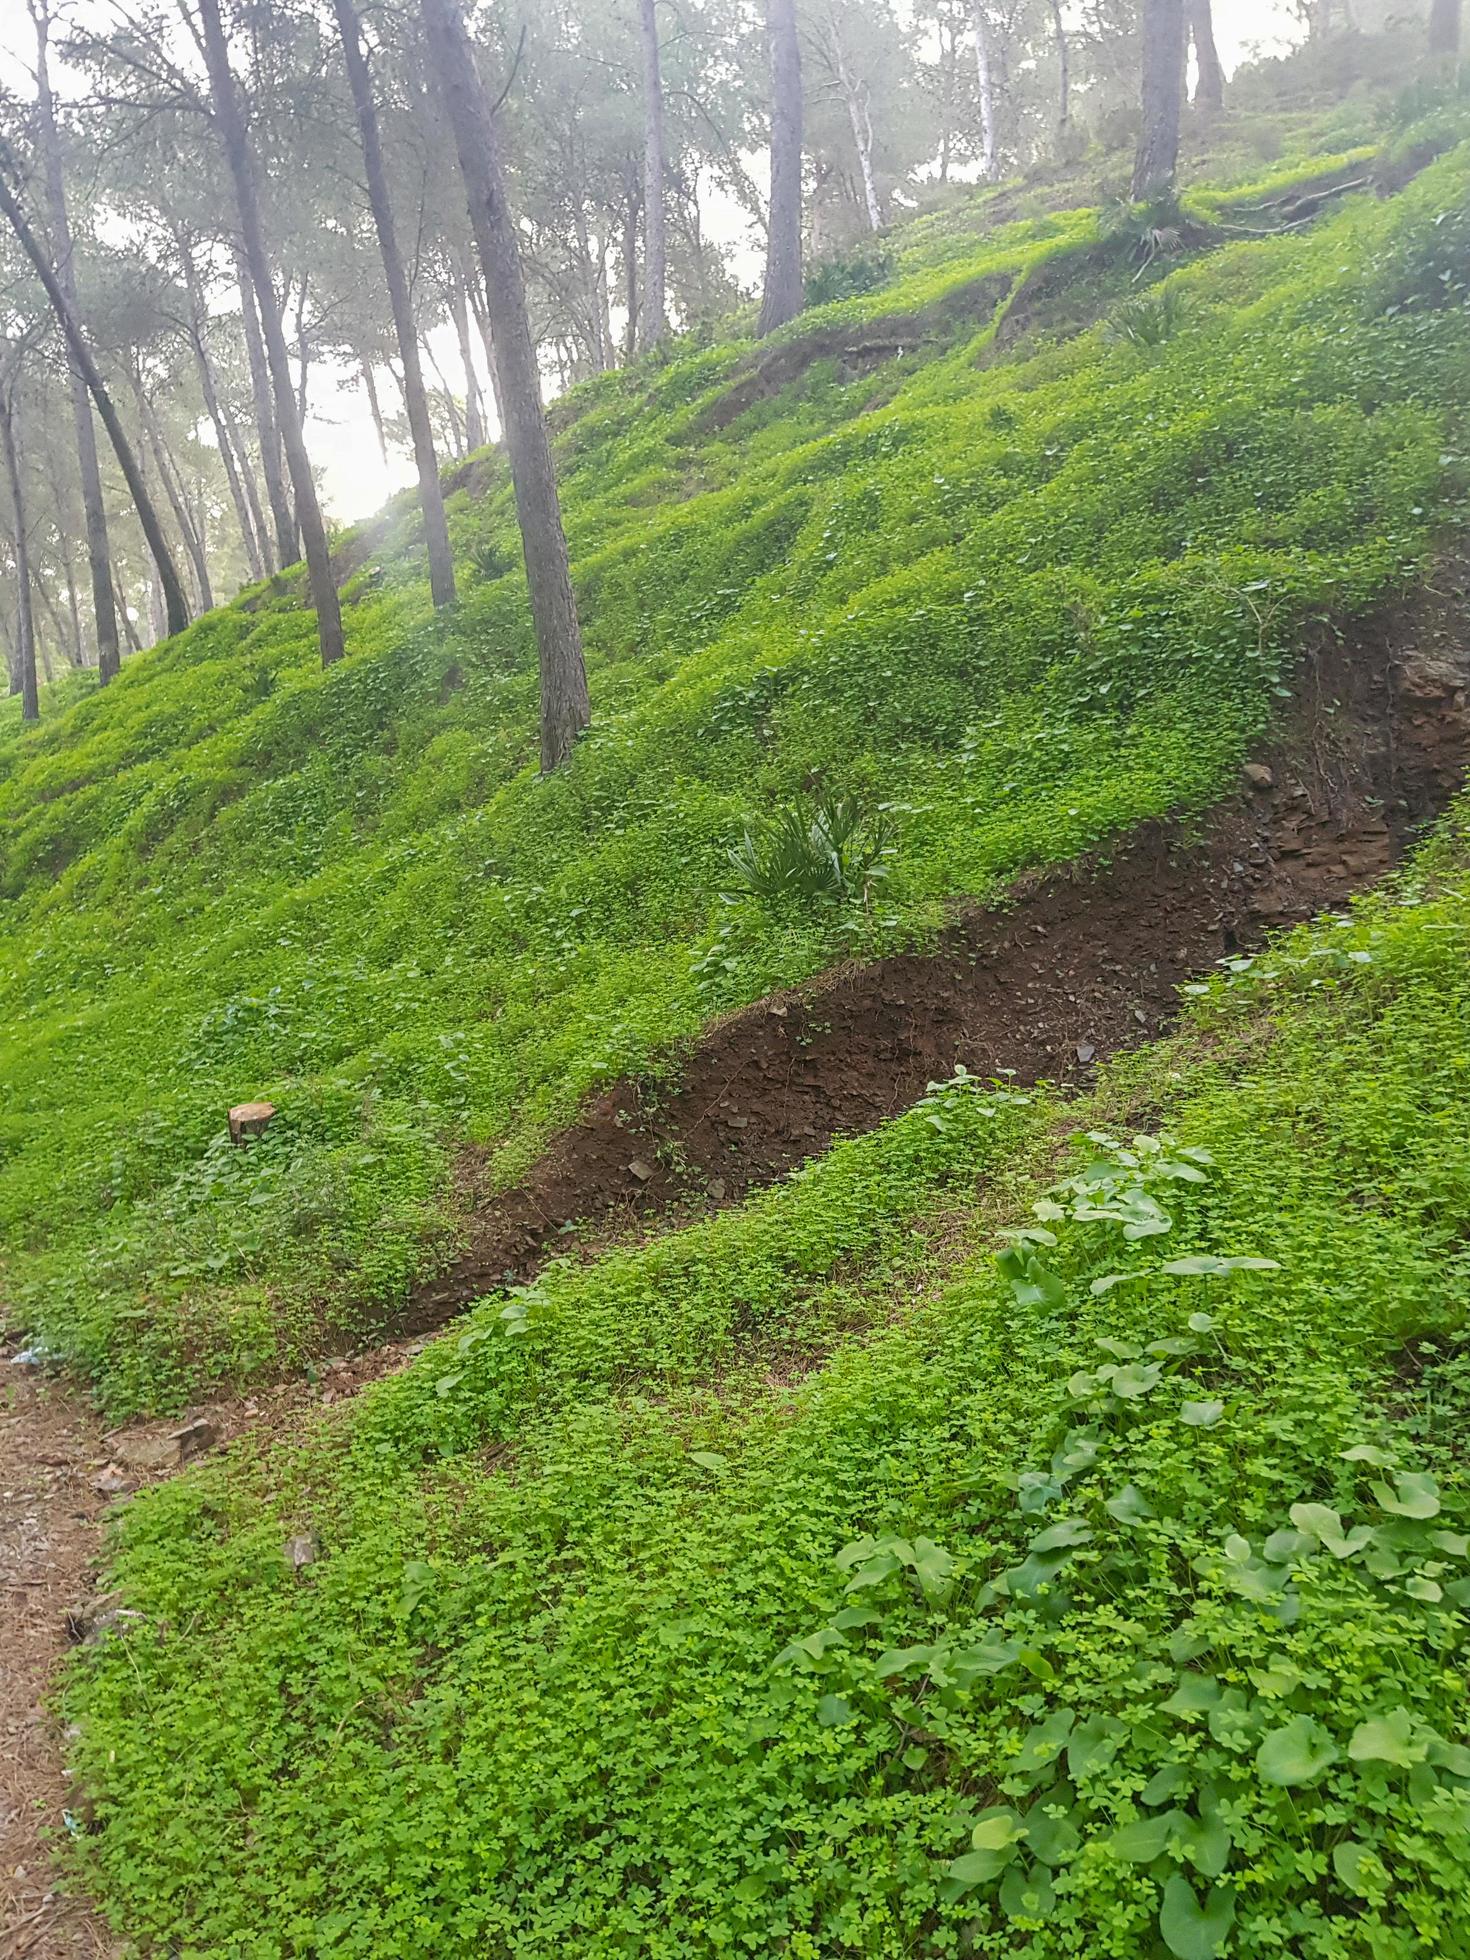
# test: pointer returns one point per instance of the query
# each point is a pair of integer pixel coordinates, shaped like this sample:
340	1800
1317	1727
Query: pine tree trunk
782	299
30	704
565	709
631	208
173	490
655	247
474	408
1444	27
985	78
267	434
175	605
1162	90
482	327
124	617
1064	69
94	509
416	403
1209	80
241	161
375	407
207	387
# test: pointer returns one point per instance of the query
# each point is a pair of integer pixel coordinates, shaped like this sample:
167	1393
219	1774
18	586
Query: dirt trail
1080	964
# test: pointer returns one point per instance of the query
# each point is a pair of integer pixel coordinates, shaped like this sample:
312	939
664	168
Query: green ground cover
1022	600
815	1581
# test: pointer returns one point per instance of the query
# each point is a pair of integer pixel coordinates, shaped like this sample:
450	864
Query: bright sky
340	433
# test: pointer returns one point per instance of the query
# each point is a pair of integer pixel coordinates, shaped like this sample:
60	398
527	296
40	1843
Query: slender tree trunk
241	161
565	709
782	299
451	405
655	248
985	79
125	618
375	407
630	272
482	327
416	404
205	370
1209	80
30	704
176	606
1444	27
76	651
173	489
303	353
474	410
265	419
248	483
1064	68
59	623
94	509
1162	91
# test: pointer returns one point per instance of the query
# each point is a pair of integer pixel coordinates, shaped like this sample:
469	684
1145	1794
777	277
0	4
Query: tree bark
241	160
782	299
474	408
124	617
375	407
1162	90
303	352
1444	27
416	403
1064	68
175	605
985	78
565	709
631	208
265	420
198	316
30	702
1209	79
177	501
655	248
94	509
860	122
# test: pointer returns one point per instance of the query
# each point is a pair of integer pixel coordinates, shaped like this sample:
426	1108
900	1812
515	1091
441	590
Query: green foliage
1012	598
1149	319
813	1580
846	277
825	850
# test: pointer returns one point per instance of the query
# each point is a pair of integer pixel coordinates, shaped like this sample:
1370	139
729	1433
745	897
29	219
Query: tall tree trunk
631	207
1209	79
782	298
860	122
94	510
1444	27
198	316
178	502
30	703
248	483
655	248
565	709
375	407
415	401
985	79
1162	91
482	327
124	617
265	419
1064	68
451	404
241	161
303	353
474	408
176	606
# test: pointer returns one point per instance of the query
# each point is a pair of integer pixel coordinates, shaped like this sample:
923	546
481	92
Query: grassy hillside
814	1582
1020	586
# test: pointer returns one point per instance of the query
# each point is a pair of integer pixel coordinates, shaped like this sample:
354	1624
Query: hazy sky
340	433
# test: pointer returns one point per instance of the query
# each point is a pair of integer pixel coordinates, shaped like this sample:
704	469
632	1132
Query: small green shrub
1149	319
830	850
850	275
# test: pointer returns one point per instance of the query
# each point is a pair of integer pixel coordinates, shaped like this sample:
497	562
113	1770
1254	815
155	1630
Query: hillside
1020	582
922	1417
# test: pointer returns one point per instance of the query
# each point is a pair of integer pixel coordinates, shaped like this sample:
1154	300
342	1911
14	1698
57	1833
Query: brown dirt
1081	963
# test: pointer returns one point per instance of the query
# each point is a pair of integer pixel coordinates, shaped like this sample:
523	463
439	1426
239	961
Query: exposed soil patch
1081	963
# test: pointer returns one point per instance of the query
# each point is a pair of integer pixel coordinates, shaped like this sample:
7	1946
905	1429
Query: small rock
1258	776
1428	677
195	1438
739	1122
779	1009
640	1169
1085	1052
299	1550
147	1453
112	1481
717	1189
1140	1017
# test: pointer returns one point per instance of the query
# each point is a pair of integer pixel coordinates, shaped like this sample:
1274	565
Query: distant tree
565	707
654	324
783	285
985	78
1209	80
1444	27
94	512
416	405
1162	93
176	608
25	622
240	159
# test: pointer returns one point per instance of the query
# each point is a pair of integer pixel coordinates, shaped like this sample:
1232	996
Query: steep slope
1024	598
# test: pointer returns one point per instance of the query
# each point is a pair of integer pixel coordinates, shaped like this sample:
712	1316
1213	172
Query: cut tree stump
249	1119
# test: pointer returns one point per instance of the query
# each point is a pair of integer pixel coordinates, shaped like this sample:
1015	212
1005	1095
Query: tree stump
249	1120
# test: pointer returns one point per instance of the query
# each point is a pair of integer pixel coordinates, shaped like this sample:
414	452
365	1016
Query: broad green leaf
1192	1931
966	1664
1201	1415
903	1660
1388	1738
1206	1265
1164	1783
996	1828
979	1867
1296	1754
1324	1524
1207	1843
1027	1894
1128	1506
1195	1695
1045	1742
709	1459
1065	1533
834	1712
1092	1745
1134	1380
1146	1838
1413	1494
1050	1838
1370	1454
1119	1350
1357	1868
